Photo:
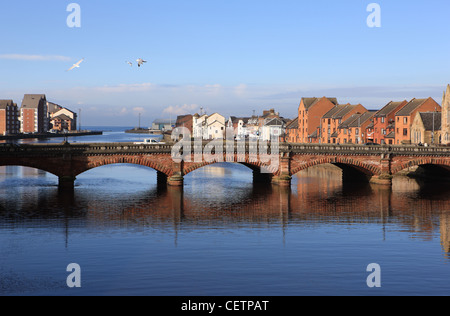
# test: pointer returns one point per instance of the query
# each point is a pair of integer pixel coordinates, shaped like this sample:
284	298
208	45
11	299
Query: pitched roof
275	122
410	107
356	120
309	102
293	124
33	101
388	108
62	117
313	135
427	119
5	103
339	111
391	135
53	107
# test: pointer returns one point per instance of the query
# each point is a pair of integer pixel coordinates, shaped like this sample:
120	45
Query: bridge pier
177	178
384	179
66	182
284	179
386	174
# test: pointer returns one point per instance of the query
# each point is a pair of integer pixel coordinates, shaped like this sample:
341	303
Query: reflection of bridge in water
422	212
374	163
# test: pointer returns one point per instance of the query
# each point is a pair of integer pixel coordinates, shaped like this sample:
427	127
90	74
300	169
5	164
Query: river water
221	235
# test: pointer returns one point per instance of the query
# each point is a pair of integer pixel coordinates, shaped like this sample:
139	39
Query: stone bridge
376	164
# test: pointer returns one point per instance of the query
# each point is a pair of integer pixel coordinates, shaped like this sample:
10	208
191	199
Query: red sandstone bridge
376	164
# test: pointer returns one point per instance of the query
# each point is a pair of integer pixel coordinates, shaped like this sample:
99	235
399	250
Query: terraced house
384	123
310	113
331	121
405	117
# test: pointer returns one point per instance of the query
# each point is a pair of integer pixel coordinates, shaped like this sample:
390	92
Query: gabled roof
410	107
391	135
6	103
275	122
313	135
388	108
309	102
356	120
62	117
32	101
293	124
339	111
427	119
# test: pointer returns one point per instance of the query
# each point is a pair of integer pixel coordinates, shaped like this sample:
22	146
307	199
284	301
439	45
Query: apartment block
34	114
9	118
310	113
405	117
384	123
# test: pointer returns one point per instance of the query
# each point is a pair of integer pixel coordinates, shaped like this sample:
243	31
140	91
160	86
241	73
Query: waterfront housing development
36	115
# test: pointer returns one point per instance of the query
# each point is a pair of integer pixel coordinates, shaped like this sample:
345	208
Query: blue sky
231	57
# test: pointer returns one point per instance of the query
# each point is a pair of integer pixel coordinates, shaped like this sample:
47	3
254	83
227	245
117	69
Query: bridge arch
443	164
146	161
254	166
34	165
348	165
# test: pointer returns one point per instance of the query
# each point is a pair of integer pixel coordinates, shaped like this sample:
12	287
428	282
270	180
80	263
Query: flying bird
140	62
77	65
130	63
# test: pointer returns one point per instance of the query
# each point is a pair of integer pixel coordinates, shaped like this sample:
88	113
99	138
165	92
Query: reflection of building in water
31	172
445	232
212	170
319	179
404	184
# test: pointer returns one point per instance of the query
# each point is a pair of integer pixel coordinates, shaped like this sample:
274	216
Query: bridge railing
238	147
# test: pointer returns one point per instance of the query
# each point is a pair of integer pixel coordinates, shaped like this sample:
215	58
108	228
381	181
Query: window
405	120
382	120
405	132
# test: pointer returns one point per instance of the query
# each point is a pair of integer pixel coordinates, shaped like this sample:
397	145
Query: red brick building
331	121
186	121
9	118
384	123
292	135
405	117
34	114
352	130
310	113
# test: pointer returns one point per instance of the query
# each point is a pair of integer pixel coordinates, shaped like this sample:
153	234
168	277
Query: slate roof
427	119
32	101
388	108
293	124
410	107
309	102
5	103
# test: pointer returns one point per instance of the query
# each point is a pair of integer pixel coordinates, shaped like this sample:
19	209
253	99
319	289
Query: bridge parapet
69	160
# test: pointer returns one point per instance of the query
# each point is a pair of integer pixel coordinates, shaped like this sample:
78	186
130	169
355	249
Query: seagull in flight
77	65
140	62
130	63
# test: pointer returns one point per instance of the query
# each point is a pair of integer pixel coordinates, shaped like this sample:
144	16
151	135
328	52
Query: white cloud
180	110
24	57
121	88
139	110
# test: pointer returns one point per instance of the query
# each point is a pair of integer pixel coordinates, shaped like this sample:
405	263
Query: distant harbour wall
50	135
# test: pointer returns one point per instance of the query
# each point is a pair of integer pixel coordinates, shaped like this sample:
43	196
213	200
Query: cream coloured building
446	117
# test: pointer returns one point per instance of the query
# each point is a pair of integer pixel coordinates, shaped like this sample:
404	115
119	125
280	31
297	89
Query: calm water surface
221	235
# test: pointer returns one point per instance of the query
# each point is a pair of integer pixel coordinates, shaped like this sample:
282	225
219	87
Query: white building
209	127
272	128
